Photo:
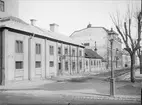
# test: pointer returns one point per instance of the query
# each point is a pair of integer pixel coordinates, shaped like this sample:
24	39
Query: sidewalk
21	85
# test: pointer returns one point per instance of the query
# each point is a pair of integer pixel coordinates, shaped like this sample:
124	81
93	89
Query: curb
105	98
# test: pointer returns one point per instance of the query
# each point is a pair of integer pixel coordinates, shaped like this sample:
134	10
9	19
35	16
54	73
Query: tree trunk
132	68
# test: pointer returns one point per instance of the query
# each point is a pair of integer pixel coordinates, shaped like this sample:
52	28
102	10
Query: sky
72	15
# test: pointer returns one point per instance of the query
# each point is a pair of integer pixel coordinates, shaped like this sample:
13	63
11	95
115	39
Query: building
91	37
94	62
9	8
28	52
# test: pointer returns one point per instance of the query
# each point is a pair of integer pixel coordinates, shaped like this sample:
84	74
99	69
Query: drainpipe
29	56
2	71
77	61
70	59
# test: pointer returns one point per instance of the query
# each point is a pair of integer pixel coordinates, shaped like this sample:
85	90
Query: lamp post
116	57
112	79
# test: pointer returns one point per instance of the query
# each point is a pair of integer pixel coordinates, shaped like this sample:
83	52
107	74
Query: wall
29	58
97	66
90	35
11	8
10	56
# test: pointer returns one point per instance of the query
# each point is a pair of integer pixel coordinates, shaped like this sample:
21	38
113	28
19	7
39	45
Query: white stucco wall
11	7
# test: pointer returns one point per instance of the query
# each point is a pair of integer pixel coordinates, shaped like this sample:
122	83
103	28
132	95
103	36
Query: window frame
59	50
51	49
66	65
21	66
66	51
19	46
2	6
80	52
80	64
73	52
73	65
38	48
86	44
51	63
36	64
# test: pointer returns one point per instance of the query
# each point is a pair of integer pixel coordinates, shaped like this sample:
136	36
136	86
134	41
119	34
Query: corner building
29	52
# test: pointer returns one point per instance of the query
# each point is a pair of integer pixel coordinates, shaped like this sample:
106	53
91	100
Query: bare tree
124	28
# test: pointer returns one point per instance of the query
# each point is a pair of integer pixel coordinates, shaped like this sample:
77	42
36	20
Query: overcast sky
73	15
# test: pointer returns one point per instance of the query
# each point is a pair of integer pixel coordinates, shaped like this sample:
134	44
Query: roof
87	28
89	53
18	24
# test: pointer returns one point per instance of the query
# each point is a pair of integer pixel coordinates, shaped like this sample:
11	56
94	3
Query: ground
76	91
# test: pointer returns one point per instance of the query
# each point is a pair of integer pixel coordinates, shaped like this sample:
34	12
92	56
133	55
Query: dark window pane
1	5
51	64
38	48
19	64
38	64
66	65
66	51
19	46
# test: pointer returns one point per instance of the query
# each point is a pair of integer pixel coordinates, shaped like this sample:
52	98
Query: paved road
50	99
122	88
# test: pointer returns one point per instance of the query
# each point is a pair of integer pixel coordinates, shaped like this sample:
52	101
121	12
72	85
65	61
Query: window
73	52
94	63
80	65
80	53
59	50
51	50
66	51
66	65
73	65
38	48
91	63
1	5
86	63
51	64
19	64
19	46
38	64
86	44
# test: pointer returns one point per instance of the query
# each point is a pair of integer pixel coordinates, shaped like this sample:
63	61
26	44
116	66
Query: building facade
29	52
94	62
9	8
99	37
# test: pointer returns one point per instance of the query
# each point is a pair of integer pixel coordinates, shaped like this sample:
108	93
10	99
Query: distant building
98	37
94	62
9	8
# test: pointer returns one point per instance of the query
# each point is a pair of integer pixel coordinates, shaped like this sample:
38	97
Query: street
57	93
50	99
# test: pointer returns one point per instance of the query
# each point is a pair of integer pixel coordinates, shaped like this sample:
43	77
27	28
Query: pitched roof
89	53
88	28
18	24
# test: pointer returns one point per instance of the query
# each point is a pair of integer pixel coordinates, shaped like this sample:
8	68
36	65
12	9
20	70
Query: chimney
33	22
54	27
